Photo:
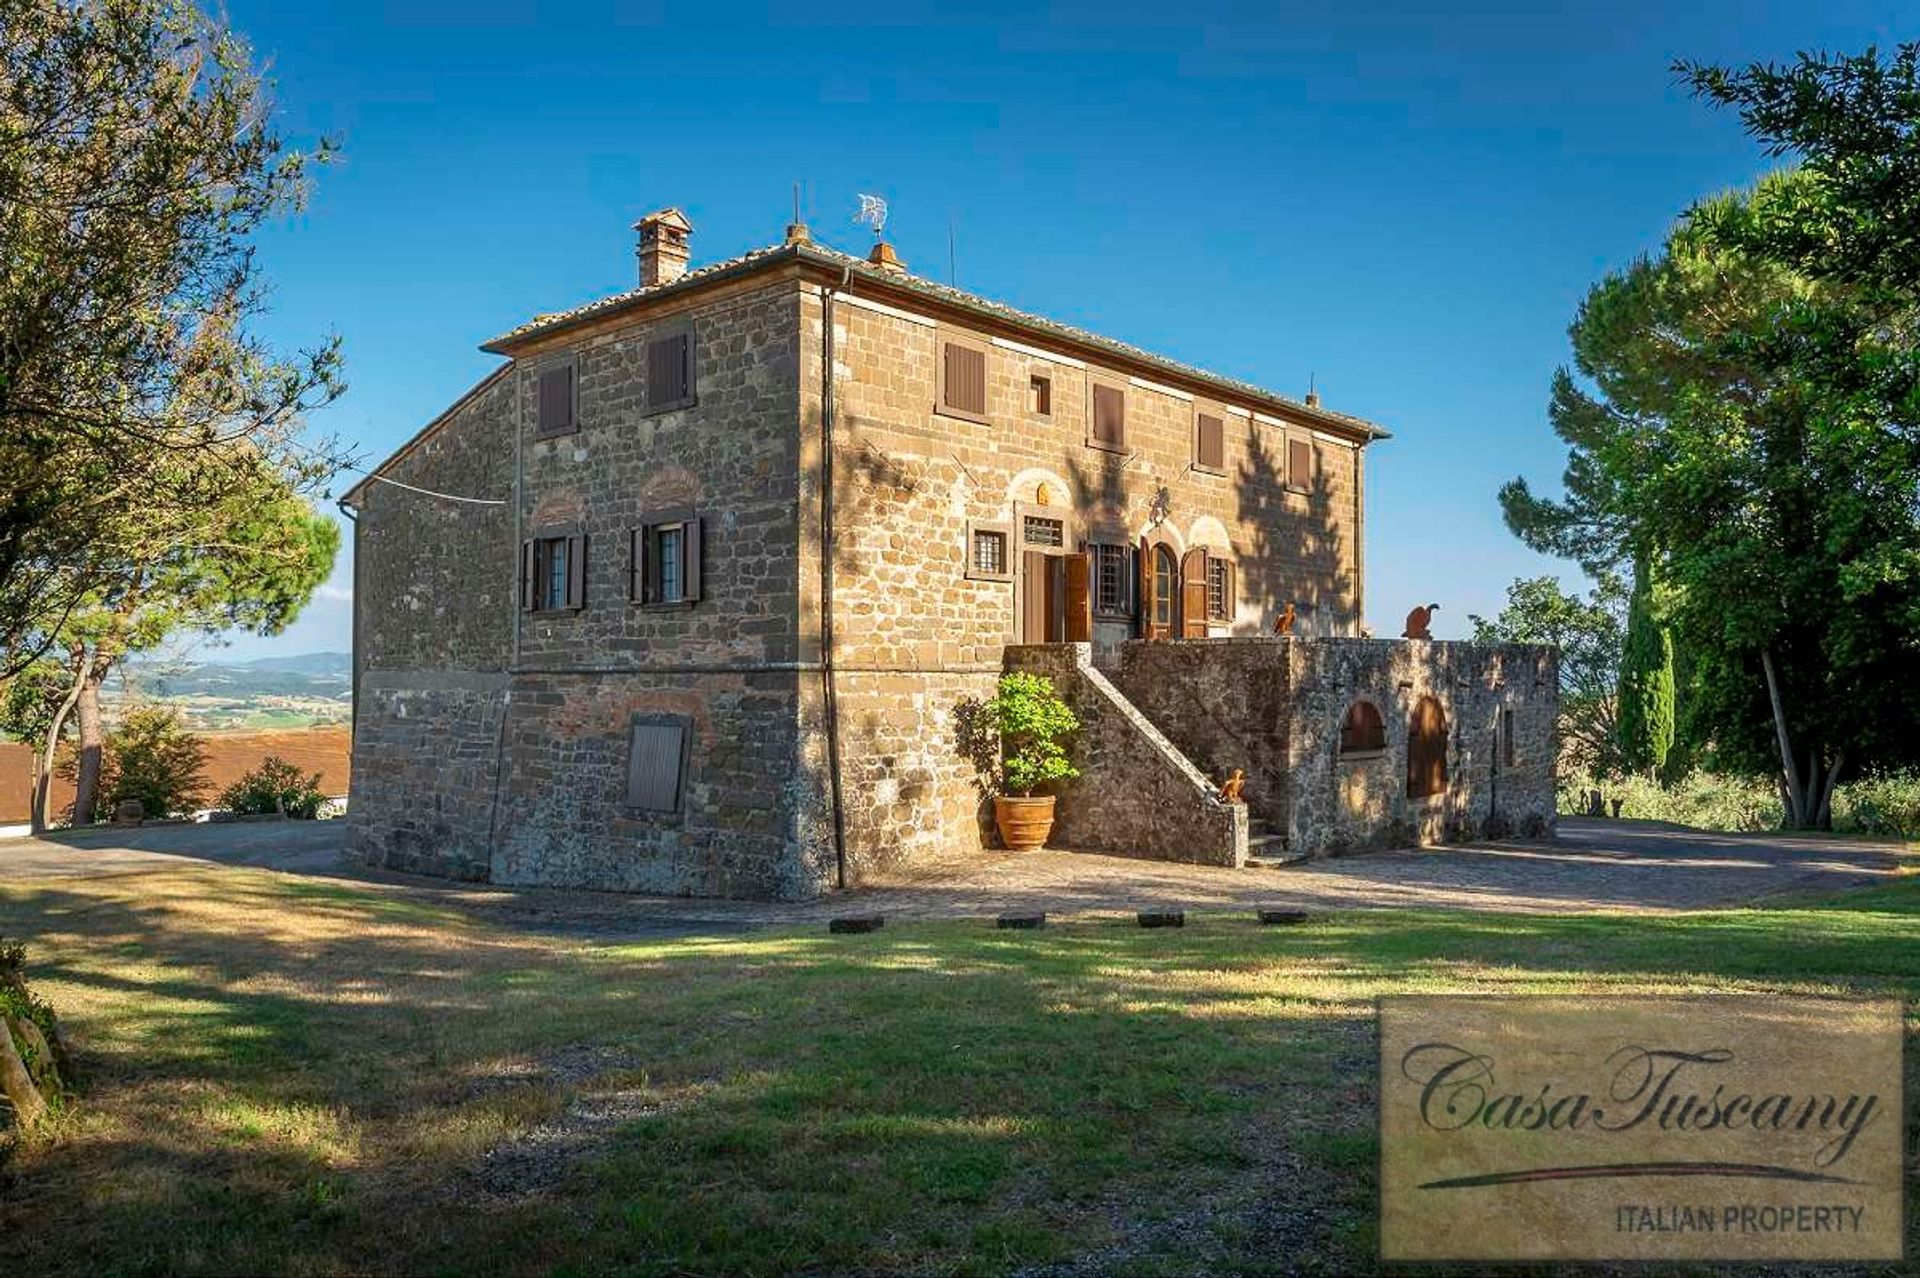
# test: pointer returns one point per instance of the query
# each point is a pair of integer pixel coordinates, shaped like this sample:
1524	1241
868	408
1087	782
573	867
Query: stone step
1269	851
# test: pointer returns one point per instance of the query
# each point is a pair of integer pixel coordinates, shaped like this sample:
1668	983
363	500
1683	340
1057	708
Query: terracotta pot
1024	823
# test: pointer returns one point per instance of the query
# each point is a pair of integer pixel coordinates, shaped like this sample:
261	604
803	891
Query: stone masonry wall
424	766
573	681
1137	795
1346	804
915	634
1225	703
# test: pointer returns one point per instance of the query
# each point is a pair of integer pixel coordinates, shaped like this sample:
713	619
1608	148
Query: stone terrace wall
1137	795
1341	805
1225	703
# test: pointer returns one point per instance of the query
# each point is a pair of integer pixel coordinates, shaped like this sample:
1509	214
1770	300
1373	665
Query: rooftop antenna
873	213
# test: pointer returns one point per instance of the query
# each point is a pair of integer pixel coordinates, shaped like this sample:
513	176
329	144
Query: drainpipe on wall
828	695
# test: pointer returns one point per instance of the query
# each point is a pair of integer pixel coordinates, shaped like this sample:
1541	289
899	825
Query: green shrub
1031	721
275	786
153	758
1885	806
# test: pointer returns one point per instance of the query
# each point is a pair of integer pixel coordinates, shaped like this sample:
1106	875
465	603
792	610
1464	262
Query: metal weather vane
873	212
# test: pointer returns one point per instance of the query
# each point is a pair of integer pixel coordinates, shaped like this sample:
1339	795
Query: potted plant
1031	720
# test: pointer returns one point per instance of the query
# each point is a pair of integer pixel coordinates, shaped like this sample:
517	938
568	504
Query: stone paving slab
1595	865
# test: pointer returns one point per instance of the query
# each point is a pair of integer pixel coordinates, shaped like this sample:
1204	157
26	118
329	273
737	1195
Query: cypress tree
1646	718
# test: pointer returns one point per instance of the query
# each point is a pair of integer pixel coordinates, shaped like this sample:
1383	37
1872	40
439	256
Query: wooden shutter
1299	463
1209	445
670	370
1109	416
1143	590
965	369
637	565
526	576
576	571
1193	594
1079	598
556	400
655	751
690	570
1033	597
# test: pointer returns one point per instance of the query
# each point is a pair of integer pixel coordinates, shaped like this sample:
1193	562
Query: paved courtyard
1595	865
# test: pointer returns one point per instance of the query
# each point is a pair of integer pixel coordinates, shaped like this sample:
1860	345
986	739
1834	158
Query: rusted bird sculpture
1418	621
1283	624
1230	788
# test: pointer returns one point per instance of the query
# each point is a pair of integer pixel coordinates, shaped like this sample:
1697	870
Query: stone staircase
1267	847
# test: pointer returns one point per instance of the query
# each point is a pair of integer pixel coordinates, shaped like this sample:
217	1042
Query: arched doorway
1427	749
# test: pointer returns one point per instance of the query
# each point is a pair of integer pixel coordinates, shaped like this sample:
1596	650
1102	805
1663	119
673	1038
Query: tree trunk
29	1106
1789	772
1823	811
86	776
43	793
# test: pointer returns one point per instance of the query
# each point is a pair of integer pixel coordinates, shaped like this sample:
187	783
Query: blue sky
1404	204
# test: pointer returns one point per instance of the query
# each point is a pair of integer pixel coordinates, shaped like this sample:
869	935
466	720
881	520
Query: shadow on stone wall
1302	551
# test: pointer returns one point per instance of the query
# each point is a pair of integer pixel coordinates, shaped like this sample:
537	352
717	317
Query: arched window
1166	593
1426	749
1363	731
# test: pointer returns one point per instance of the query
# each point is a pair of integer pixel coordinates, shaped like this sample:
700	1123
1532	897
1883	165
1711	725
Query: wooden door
1077	575
1427	749
1034	612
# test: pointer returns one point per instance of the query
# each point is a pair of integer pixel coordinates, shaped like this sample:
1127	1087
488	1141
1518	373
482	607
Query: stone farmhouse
687	596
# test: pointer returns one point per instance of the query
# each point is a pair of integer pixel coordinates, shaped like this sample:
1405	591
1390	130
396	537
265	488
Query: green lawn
297	1076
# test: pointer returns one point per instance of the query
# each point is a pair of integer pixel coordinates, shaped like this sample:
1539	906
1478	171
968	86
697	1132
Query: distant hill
267	692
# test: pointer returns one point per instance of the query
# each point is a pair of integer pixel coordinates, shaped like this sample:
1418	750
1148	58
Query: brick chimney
663	250
886	259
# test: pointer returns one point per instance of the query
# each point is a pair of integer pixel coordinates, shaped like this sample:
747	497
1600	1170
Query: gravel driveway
1595	865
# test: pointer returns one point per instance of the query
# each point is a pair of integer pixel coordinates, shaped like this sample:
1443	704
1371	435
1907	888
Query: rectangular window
1220	600
1109	425
1040	395
1038	531
666	561
656	762
988	557
554	412
963	378
1299	464
1209	442
553	573
1112	580
670	372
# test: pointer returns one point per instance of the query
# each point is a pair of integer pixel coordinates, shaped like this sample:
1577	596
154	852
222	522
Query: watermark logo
1640	1128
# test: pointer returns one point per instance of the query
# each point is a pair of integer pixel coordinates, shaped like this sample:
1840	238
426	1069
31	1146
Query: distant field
229	754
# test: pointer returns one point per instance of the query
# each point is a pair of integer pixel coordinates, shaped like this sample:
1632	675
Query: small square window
987	553
1040	395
